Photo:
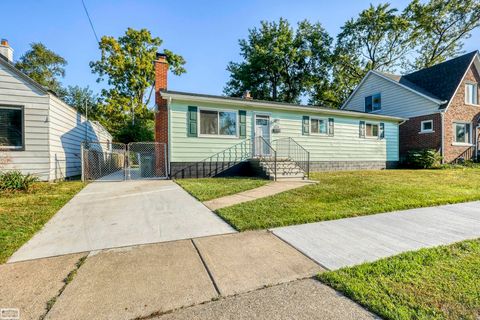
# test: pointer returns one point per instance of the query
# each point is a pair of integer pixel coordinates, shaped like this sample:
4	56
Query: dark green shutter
242	116
361	129
192	121
305	125
331	122
382	130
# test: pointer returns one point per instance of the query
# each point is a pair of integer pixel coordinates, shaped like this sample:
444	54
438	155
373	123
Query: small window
471	93
318	126
427	126
220	123
371	130
11	128
373	102
462	133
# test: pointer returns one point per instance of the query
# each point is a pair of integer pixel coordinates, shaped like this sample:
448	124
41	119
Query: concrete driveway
117	214
345	242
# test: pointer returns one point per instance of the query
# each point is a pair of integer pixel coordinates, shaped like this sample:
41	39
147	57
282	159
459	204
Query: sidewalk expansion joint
303	253
206	268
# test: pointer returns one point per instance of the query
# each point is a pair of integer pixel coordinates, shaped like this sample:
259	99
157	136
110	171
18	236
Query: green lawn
211	188
355	193
23	214
437	283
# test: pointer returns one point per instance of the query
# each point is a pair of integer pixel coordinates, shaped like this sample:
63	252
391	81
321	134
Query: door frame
254	128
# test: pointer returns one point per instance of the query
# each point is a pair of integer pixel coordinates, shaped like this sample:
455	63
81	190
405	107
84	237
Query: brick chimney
6	50
161	116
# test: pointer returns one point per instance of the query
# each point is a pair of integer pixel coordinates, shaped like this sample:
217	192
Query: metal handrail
236	153
292	150
267	160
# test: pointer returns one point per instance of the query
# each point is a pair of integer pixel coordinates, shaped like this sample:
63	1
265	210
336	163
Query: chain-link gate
102	161
147	160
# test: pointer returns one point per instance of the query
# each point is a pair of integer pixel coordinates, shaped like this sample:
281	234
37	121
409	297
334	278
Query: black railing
217	163
289	149
266	154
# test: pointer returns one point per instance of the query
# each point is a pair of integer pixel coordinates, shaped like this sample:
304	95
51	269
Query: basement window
11	128
218	123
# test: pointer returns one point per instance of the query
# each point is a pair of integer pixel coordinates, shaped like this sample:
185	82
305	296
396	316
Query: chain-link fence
104	161
147	160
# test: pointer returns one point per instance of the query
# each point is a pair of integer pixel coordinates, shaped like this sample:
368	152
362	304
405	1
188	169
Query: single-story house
39	133
441	103
208	135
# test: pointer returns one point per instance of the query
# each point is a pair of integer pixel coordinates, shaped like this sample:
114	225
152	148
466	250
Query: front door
262	130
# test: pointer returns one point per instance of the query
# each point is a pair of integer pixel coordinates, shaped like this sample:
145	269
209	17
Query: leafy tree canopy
280	63
127	65
441	26
44	66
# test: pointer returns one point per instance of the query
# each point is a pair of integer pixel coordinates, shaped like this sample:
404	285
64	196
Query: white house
39	133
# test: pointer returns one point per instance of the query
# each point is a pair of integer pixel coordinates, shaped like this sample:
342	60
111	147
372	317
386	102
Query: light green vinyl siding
345	145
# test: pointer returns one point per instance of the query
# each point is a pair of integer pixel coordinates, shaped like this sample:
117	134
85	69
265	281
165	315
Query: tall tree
441	26
81	99
378	39
278	62
127	65
44	66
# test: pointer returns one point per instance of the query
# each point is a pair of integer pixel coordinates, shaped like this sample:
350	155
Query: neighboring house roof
442	79
438	83
187	96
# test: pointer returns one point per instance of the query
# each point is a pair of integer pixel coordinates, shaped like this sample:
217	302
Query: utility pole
86	123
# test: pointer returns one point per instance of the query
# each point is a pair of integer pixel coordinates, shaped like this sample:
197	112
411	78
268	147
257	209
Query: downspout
169	139
442	135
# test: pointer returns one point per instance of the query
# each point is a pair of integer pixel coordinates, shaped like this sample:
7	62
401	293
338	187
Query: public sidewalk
257	193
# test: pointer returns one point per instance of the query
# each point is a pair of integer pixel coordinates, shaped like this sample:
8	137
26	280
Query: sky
205	33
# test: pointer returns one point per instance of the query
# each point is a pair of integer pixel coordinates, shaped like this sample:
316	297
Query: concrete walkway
257	193
339	243
154	279
116	214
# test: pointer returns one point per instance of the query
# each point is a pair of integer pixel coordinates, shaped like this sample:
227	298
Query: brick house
440	102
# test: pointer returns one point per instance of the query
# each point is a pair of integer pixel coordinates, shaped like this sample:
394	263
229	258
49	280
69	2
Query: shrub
425	159
15	180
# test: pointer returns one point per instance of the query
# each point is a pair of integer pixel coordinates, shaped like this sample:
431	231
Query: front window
373	102
318	126
221	123
371	130
471	93
11	128
462	133
427	126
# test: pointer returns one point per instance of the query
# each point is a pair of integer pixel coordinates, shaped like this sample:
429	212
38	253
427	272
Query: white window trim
220	136
22	110
426	131
463	144
476	90
317	133
378	130
372	95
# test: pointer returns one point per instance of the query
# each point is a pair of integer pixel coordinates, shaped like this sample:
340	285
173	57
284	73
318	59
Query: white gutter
276	106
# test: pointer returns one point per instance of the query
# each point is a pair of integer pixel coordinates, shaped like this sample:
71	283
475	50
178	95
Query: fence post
82	159
308	165
275	164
